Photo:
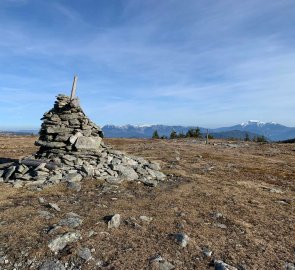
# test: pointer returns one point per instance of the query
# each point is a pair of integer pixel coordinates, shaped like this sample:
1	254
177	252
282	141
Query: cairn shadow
7	160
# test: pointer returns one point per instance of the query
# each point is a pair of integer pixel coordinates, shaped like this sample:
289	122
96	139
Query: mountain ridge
271	130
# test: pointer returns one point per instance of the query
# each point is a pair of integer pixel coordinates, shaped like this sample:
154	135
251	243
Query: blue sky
192	62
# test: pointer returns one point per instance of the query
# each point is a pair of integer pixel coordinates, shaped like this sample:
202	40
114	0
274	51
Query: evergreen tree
181	135
261	139
193	133
155	135
247	137
173	134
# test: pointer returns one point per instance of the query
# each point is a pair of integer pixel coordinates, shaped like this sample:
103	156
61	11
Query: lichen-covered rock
61	241
88	143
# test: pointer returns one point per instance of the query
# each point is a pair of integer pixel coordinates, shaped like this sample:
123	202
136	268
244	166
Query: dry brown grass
208	178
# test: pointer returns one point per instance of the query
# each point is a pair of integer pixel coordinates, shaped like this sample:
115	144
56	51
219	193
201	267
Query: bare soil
252	185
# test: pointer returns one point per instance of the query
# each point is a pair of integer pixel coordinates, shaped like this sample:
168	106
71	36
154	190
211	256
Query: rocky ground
223	206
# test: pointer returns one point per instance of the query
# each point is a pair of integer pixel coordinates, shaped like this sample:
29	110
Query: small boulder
114	222
220	265
52	265
61	241
181	239
84	253
88	143
54	206
159	263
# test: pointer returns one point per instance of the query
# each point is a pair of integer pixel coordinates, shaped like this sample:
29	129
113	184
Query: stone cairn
71	149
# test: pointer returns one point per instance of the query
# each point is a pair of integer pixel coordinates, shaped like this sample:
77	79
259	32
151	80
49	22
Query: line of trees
261	138
191	133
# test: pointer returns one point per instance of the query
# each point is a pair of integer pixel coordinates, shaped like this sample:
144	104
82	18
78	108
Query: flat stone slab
88	143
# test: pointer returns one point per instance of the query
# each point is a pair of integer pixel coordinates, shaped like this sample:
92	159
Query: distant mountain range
272	131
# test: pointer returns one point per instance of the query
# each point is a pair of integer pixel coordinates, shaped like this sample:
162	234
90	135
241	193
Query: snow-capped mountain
271	130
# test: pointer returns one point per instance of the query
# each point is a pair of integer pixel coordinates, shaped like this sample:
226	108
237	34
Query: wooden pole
73	92
207	136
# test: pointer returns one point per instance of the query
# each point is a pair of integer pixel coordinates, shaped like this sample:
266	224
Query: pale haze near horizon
199	63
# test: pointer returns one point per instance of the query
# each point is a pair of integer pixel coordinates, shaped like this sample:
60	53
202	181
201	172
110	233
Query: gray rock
84	253
39	182
61	241
74	138
113	180
88	169
52	265
115	221
45	214
88	143
182	239
50	144
74	186
55	178
154	166
54	206
18	184
71	221
290	266
73	177
125	172
41	167
1	173
21	169
41	200
206	251
159	175
220	265
9	172
221	226
159	263
146	219
149	182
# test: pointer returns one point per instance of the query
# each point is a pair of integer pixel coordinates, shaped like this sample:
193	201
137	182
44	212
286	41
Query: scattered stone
146	219
41	200
182	239
217	215
73	177
149	182
159	263
9	172
84	253
74	186
18	184
290	266
54	206
125	172
114	221
72	221
276	190
61	241
45	214
283	202
206	251
221	226
52	265
220	265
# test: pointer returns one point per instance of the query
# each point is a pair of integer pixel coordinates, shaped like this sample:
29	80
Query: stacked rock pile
71	149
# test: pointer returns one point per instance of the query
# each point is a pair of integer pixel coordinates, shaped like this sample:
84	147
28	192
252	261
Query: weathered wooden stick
73	92
207	136
36	163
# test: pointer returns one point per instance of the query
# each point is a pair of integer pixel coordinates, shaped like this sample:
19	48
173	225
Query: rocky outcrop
72	149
